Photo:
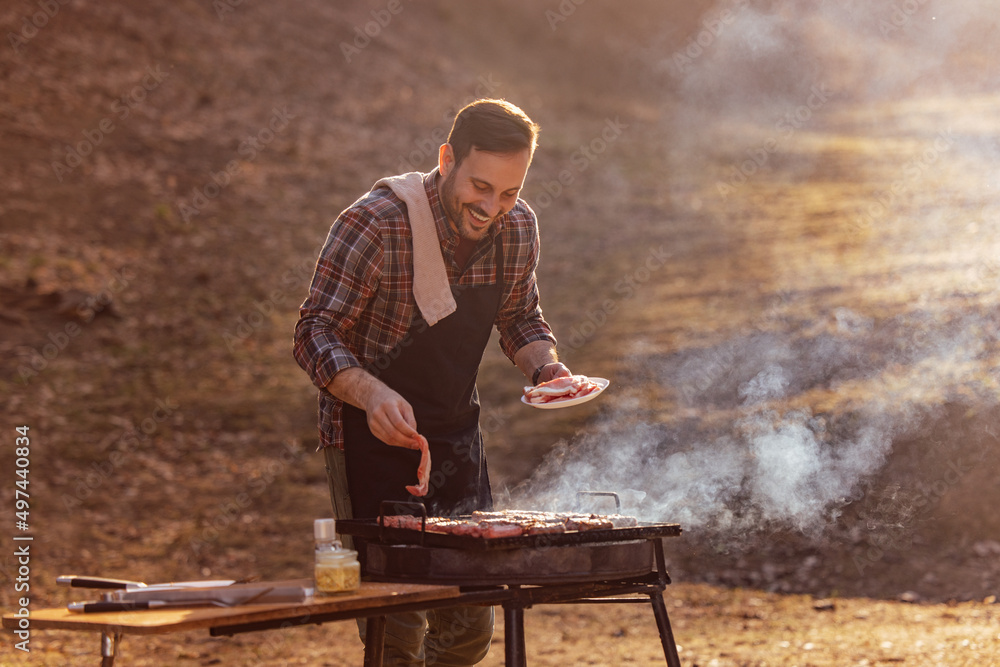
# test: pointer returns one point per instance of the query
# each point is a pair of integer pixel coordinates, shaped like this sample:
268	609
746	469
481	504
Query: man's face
480	189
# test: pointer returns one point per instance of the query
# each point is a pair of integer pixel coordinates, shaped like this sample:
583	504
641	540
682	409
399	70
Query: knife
96	607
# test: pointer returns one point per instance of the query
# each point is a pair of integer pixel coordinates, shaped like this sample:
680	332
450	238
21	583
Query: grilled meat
512	523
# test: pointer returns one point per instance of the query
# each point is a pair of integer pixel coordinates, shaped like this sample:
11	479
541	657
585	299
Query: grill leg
374	641
513	630
663	625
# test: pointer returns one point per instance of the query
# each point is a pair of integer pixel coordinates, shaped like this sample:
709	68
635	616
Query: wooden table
374	600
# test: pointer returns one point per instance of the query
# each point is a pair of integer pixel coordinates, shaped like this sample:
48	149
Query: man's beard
453	208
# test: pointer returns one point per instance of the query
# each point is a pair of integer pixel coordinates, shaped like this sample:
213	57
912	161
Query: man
411	281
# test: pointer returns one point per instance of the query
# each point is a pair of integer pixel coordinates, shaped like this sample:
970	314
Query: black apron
435	370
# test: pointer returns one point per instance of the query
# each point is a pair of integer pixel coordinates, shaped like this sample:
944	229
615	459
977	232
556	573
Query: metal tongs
127	595
78	581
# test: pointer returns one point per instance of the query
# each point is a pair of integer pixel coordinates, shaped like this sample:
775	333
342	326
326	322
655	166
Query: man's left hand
551	371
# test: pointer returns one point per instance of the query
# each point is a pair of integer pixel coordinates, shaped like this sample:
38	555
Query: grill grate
371	530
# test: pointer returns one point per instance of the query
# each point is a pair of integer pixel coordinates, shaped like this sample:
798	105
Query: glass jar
337	572
337	569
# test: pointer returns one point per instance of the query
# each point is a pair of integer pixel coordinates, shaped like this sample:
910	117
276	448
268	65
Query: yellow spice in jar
338	578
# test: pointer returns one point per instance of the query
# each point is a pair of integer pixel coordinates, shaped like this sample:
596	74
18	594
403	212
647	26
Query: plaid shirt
360	302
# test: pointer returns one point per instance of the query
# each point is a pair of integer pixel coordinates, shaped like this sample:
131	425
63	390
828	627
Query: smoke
783	422
759	55
750	77
770	463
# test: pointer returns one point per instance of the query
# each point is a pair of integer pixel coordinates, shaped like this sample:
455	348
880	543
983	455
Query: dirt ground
829	293
712	626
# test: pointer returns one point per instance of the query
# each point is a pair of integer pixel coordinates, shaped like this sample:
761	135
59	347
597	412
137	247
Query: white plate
567	402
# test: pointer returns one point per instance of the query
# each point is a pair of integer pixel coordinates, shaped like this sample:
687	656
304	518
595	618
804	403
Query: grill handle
398	506
606	494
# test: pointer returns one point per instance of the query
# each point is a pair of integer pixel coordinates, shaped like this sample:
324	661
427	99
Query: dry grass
173	434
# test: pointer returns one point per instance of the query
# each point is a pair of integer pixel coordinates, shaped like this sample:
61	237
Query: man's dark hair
494	126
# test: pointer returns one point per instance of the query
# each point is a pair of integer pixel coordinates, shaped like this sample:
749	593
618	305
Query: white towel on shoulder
431	289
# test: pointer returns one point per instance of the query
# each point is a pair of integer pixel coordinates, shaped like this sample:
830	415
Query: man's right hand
390	416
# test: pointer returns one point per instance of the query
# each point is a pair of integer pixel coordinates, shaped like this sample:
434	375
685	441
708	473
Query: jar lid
337	555
325	529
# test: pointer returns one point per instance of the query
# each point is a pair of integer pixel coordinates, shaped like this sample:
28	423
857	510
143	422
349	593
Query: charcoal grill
519	572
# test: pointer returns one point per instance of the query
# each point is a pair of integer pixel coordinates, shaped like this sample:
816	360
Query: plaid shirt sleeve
520	318
347	273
